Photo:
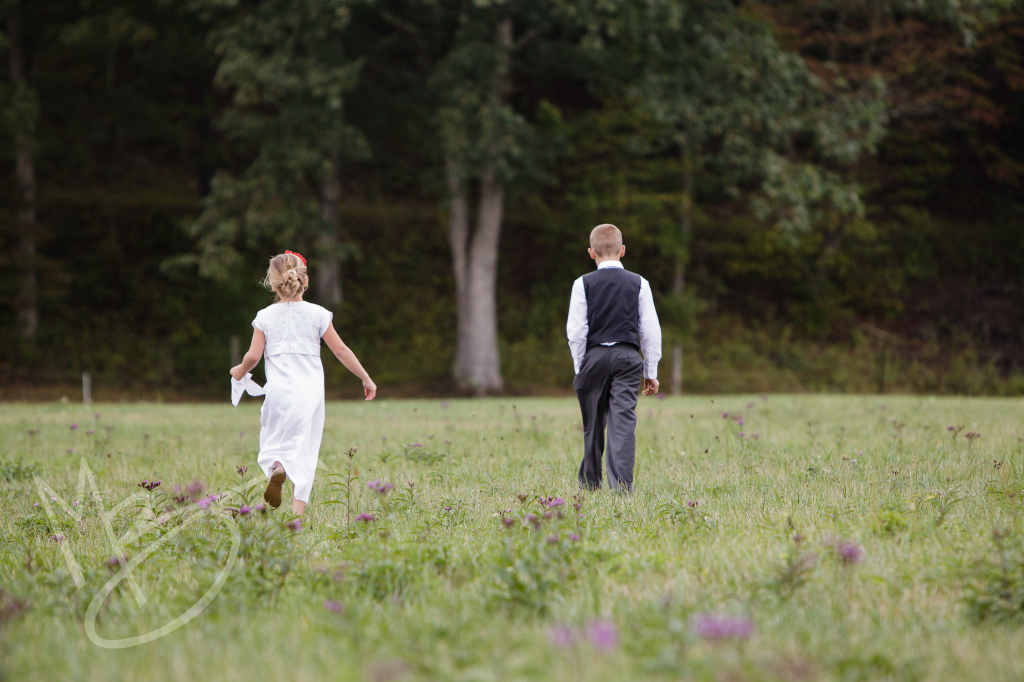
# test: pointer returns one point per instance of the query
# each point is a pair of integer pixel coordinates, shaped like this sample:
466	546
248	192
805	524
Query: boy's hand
650	386
370	389
238	372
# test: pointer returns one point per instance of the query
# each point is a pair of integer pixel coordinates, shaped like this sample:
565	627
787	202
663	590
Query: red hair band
296	253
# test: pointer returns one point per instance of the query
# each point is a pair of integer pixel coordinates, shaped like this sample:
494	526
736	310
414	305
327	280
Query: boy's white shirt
246	385
577	327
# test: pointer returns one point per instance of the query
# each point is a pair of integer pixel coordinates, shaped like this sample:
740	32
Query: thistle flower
73	427
848	551
204	503
574	537
603	635
721	626
294	525
366	518
261	508
380	487
89	432
149	485
57	538
114	561
241	469
561	636
553	539
244	510
333	606
551	503
195	489
508	521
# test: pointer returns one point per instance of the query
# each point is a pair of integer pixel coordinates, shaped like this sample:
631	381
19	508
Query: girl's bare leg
298	506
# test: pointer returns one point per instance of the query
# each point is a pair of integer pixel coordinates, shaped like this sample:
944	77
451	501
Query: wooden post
236	357
86	389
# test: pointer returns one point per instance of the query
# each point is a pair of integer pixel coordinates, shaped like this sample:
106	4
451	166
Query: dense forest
824	194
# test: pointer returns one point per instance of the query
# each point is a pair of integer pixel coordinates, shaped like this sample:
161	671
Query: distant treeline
824	195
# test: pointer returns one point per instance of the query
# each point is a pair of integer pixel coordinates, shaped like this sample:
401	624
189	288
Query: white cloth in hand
246	385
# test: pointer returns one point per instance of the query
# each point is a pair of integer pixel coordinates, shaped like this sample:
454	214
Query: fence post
86	388
236	358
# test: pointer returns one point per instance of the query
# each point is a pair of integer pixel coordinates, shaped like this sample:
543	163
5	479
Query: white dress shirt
650	329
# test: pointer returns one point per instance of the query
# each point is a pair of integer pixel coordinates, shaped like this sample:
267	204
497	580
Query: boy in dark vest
611	321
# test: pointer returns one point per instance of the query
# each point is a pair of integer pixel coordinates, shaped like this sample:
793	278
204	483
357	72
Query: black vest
613	306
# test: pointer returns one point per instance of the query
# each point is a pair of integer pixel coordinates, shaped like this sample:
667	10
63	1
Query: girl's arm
348	358
252	357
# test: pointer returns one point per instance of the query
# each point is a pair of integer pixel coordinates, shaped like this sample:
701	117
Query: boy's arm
650	337
348	358
252	356
576	327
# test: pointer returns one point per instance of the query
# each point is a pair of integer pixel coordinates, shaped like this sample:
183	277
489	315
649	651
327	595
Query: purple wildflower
693	504
366	518
57	538
149	485
380	487
244	510
508	521
849	552
89	432
333	606
662	396
241	469
553	539
195	489
294	525
261	508
71	451
603	635
574	537
725	415
561	636
73	427
722	626
204	503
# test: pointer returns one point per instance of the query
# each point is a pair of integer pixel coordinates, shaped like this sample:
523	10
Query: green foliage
994	587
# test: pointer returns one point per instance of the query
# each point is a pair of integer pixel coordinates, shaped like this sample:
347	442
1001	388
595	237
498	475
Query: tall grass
781	537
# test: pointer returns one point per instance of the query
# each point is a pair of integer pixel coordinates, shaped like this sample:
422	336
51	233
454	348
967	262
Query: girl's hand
238	372
369	388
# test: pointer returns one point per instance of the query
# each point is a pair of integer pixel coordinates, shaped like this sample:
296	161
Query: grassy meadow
793	538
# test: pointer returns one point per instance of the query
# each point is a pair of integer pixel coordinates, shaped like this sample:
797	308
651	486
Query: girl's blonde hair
286	276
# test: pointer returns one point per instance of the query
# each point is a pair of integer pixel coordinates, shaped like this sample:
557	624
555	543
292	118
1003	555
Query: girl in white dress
287	334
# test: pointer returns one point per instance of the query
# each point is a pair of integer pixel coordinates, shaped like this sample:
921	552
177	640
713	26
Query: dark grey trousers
607	388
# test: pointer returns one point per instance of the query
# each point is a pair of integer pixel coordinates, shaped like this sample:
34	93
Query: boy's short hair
606	240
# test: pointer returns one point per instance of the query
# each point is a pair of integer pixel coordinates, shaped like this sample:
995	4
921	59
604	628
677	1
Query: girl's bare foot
273	492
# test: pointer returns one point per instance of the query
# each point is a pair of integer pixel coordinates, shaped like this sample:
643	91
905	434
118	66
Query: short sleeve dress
292	417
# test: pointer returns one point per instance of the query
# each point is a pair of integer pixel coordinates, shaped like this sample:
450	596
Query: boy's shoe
273	492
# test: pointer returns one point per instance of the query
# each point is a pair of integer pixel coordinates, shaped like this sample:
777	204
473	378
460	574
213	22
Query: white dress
292	417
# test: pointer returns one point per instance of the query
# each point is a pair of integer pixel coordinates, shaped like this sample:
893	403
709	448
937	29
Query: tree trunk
475	256
679	280
328	278
25	179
